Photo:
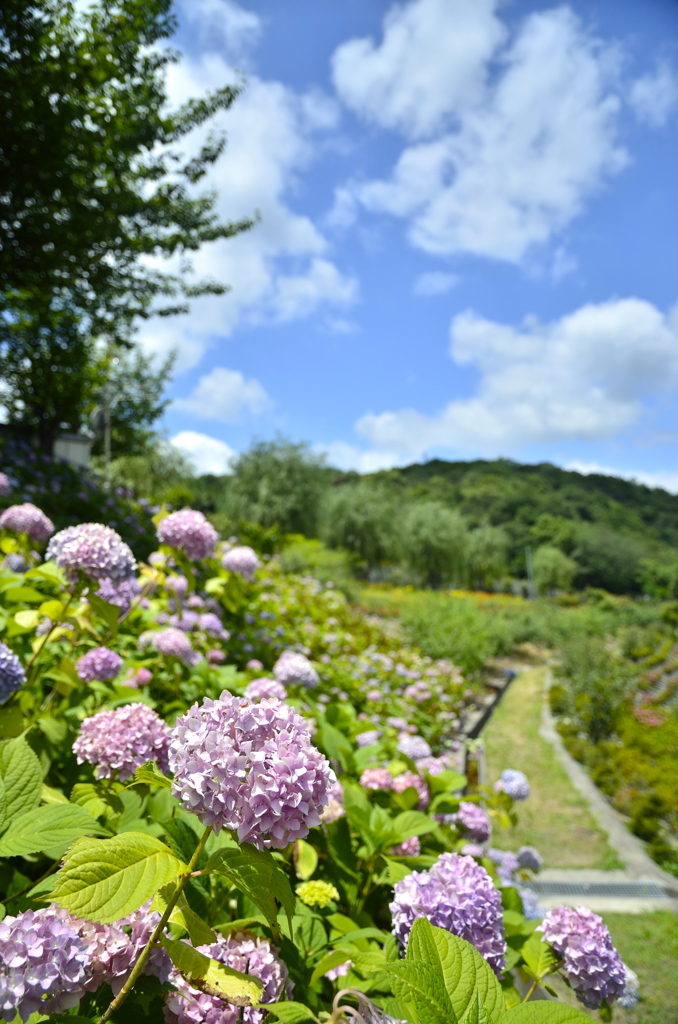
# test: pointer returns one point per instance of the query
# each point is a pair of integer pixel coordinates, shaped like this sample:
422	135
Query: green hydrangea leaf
212	977
45	827
546	1012
539	957
106	879
420	992
22	776
468	977
258	876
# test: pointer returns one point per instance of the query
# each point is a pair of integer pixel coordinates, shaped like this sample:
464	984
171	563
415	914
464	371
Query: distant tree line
451	524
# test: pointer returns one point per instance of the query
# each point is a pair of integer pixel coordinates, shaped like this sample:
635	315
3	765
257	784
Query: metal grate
630	890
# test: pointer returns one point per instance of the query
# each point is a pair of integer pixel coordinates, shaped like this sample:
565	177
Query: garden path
591	858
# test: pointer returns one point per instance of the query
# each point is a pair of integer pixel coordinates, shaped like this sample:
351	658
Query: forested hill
503	491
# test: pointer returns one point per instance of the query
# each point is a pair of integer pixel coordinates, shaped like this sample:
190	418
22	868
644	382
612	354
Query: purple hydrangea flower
258	689
408	848
592	965
157	559
457	894
16	562
514	783
112	951
366	739
472	850
529	858
175	644
121	594
93	550
241	559
340	971
334	808
5	485
179	584
215	656
189	531
292	667
121	740
12	675
27	519
474	822
42	963
435	765
210	623
100	663
415	747
376	778
254	665
244	953
251	768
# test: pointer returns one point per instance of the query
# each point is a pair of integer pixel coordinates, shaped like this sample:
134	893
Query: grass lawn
556	818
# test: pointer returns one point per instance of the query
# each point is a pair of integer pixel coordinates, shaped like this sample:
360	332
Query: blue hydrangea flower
12	675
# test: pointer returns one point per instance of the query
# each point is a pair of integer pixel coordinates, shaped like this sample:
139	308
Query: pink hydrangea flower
376	778
118	742
29	519
100	663
407	779
190	532
250	768
242	560
258	689
92	550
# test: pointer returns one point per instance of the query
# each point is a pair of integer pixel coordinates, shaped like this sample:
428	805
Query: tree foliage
361	519
94	191
277	483
553	569
434	541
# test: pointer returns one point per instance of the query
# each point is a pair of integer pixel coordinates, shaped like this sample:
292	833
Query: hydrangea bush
228	794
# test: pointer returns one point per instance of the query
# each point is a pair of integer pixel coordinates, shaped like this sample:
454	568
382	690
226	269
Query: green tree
487	554
136	385
277	483
608	559
93	192
155	473
434	541
553	569
361	518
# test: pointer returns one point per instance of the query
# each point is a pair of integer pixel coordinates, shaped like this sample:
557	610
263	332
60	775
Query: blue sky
468	239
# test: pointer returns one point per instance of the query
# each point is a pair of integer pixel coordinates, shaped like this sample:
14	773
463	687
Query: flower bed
225	795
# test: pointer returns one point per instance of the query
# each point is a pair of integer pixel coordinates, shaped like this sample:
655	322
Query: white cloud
236	29
282	268
582	378
431	63
225	395
435	283
667	479
207	454
654	96
342	455
525	157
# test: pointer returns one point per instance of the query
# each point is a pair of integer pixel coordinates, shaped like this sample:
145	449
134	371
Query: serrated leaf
45	827
199	932
466	974
150	774
47	571
28	619
258	876
290	1012
334	959
545	1013
213	977
413	823
420	991
539	956
475	1014
97	799
305	859
110	613
22	776
106	879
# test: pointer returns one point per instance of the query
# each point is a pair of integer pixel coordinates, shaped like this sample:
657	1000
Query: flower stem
40	649
157	932
530	991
